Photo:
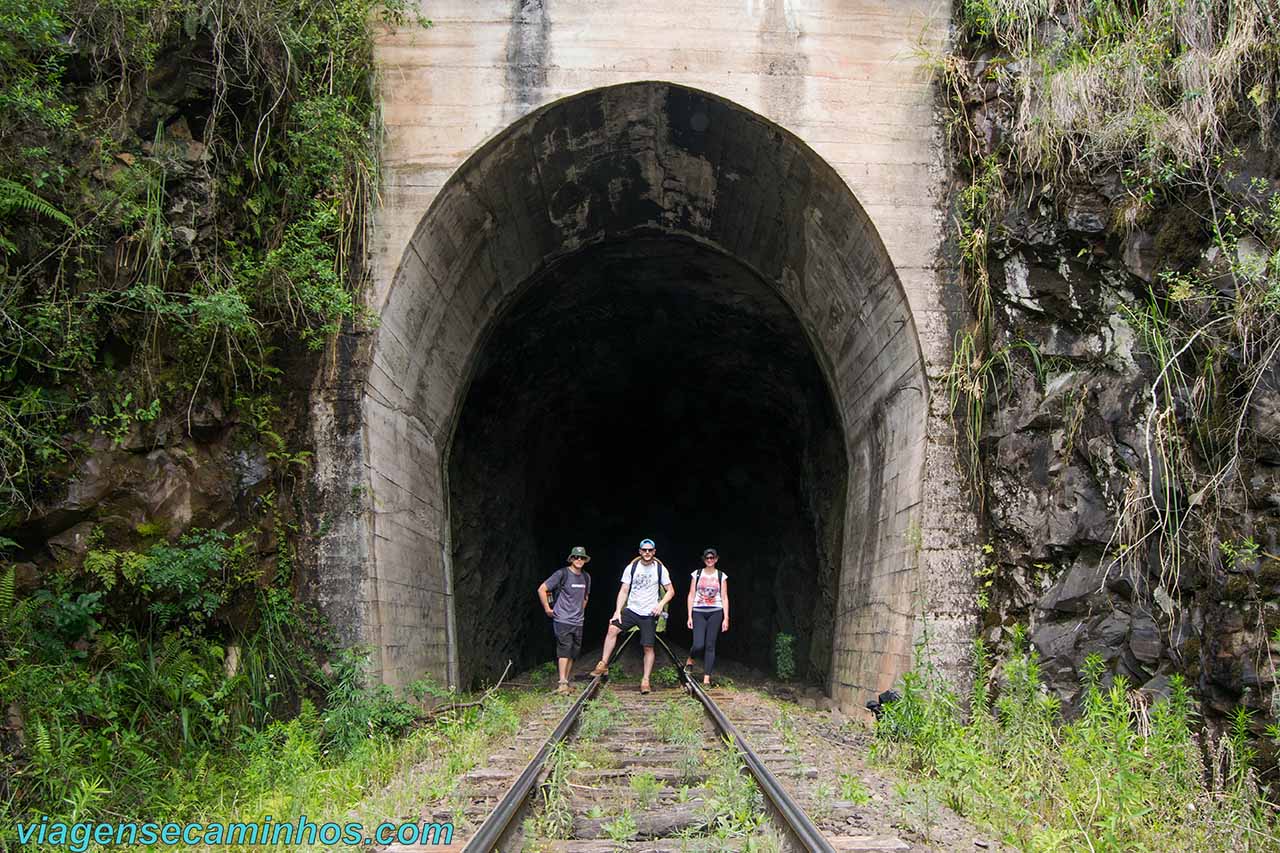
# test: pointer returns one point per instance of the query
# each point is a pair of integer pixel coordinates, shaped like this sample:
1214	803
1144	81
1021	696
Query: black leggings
706	627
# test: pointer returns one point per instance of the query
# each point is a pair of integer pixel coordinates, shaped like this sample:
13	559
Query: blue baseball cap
648	543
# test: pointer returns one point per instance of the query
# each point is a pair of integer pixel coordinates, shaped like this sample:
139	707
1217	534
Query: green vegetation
600	716
680	723
784	656
665	676
621	828
1173	99
786	727
555	818
297	776
129	700
853	789
183	189
1159	118
1125	775
822	801
171	235
734	805
645	786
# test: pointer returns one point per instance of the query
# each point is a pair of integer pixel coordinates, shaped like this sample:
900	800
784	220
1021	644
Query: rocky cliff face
175	258
1127	455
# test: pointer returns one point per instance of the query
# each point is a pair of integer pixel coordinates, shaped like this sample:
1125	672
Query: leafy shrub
666	676
357	711
95	276
646	787
784	658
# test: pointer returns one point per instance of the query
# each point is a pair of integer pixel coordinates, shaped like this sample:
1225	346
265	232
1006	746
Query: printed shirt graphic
645	591
706	594
570	591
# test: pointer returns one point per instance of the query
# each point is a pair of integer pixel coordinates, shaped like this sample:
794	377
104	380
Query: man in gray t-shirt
571	586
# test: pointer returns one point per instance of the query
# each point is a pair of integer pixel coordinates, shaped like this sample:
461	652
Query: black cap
710	552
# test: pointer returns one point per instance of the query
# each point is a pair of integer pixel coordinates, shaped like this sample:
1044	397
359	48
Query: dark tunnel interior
649	387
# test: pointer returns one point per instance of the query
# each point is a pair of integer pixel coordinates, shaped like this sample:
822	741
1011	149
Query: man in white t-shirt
646	589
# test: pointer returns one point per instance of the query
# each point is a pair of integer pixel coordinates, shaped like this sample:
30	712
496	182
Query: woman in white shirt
708	612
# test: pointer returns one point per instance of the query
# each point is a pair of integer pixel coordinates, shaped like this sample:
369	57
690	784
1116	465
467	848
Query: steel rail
796	822
498	824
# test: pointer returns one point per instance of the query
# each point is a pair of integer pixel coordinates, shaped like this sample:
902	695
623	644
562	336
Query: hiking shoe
644	687
600	669
563	689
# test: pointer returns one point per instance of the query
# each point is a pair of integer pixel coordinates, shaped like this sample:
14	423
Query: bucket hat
579	551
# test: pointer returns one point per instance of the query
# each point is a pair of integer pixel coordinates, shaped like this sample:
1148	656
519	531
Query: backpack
551	593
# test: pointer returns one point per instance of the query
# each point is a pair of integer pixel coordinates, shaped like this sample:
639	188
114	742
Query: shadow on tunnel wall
647	387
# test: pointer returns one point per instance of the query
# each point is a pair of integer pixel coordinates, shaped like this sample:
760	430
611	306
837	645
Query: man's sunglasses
647	550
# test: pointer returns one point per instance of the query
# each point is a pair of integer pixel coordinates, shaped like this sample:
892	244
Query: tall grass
1126	774
1109	81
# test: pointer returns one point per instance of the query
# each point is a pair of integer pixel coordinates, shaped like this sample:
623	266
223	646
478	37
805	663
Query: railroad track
668	771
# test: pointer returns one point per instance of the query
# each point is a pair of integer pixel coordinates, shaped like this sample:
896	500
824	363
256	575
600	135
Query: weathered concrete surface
844	78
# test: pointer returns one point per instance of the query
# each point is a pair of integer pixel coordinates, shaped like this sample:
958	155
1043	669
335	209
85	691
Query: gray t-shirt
571	591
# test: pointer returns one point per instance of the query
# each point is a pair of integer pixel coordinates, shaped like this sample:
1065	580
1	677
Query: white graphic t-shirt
645	588
706	590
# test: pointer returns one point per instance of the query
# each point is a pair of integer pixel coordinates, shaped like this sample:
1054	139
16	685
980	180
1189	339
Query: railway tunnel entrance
644	311
652	387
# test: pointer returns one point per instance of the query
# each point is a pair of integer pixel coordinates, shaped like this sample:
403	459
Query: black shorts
568	639
647	624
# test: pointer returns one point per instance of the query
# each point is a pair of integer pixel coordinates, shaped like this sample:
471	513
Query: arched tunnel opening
653	387
638	311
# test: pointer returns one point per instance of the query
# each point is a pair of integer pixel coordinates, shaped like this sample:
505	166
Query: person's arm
542	596
622	601
724	596
693	587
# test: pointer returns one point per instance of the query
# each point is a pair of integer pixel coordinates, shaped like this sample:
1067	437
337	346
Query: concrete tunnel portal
644	310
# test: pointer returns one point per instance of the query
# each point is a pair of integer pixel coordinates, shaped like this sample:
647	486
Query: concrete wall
843	77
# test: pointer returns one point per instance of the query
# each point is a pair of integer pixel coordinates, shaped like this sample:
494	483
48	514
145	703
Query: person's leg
575	648
712	628
610	640
699	643
564	651
701	619
647	639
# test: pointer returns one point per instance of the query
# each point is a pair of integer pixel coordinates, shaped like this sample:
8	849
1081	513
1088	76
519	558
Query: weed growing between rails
1125	775
734	804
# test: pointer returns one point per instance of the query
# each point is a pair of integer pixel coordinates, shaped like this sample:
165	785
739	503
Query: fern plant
15	197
